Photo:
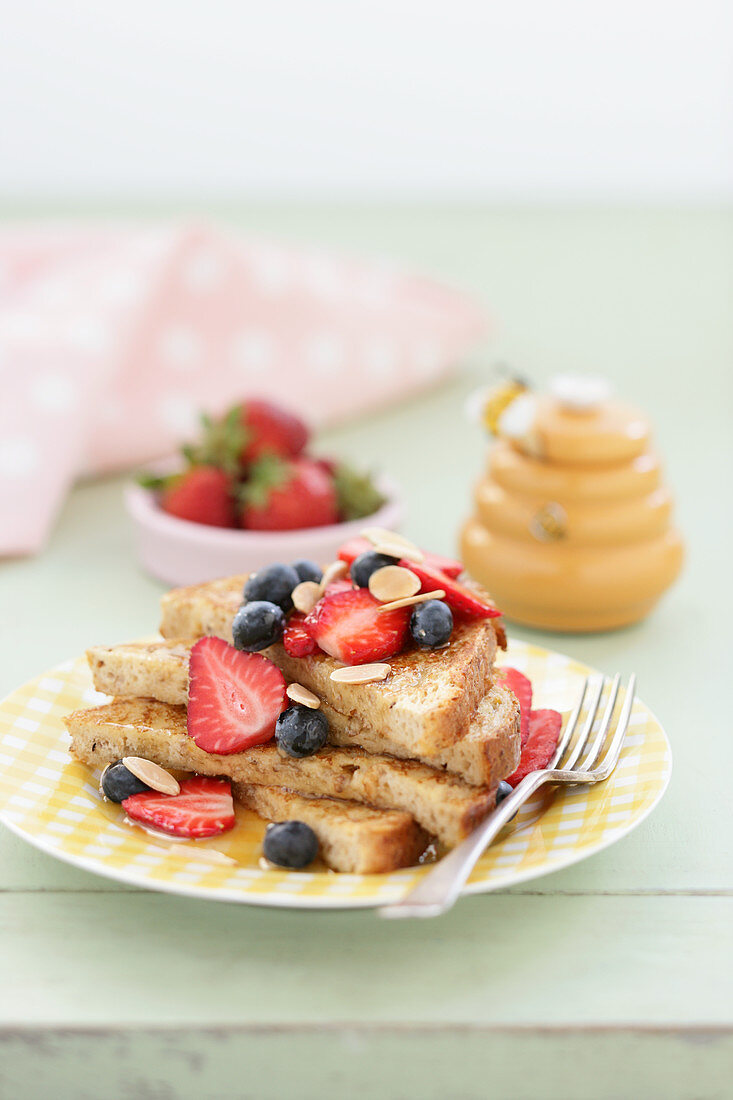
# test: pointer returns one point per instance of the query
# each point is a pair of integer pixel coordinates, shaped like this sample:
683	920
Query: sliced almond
399	550
381	534
300	694
306	595
152	774
409	600
393	582
333	572
360	674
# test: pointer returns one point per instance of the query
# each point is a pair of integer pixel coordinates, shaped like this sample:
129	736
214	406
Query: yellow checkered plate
53	802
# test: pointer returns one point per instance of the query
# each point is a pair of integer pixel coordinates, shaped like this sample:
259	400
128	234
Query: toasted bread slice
425	704
442	804
356	839
487	753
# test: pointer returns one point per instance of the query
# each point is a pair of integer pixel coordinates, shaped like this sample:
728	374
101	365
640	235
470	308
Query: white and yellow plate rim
53	802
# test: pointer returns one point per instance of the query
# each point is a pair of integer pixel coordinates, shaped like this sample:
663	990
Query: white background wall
462	98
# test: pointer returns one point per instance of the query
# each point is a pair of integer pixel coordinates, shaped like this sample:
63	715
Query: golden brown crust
487	752
353	839
442	804
427	702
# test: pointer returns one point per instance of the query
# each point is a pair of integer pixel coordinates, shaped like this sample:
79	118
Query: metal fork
439	889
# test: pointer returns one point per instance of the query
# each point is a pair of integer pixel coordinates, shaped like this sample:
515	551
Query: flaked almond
333	572
360	674
421	597
306	595
300	694
393	582
399	550
152	774
377	535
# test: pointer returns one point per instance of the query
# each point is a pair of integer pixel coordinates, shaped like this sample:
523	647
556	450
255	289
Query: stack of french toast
413	752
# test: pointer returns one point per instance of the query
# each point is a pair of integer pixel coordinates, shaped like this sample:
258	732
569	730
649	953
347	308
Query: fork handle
440	888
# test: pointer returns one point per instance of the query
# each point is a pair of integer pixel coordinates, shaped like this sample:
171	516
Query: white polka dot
19	327
376	288
202	271
324	354
19	456
254	351
54	392
179	347
55	292
426	357
271	270
87	334
381	358
179	414
121	288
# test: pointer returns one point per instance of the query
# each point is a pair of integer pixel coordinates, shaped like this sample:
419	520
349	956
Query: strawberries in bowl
248	490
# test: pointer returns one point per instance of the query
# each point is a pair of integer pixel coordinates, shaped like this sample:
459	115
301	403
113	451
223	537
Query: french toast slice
426	703
443	805
354	839
487	753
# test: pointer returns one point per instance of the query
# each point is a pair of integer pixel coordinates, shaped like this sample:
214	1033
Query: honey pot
572	525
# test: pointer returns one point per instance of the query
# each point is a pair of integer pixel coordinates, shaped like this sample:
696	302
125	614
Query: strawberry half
518	683
459	598
297	641
234	698
353	547
538	750
203	808
348	625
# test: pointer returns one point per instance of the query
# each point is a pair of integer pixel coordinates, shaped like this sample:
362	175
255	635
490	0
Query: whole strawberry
269	429
203	494
285	494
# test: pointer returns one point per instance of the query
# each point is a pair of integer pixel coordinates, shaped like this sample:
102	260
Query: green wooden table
611	979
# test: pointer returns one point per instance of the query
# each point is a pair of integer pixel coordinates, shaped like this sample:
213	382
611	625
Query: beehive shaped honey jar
572	525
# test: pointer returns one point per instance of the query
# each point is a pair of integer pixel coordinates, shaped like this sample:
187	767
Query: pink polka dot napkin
114	338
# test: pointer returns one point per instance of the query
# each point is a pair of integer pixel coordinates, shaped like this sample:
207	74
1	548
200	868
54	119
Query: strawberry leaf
266	473
356	494
222	442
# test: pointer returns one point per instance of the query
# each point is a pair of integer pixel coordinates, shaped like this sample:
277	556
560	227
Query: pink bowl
179	552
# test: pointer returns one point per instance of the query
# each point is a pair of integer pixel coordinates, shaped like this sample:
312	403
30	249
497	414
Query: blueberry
301	731
275	584
431	623
503	791
290	844
118	783
257	625
366	564
307	570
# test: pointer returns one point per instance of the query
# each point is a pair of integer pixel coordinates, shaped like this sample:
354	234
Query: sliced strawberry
458	597
537	752
353	547
203	808
297	642
449	566
349	626
517	682
234	698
